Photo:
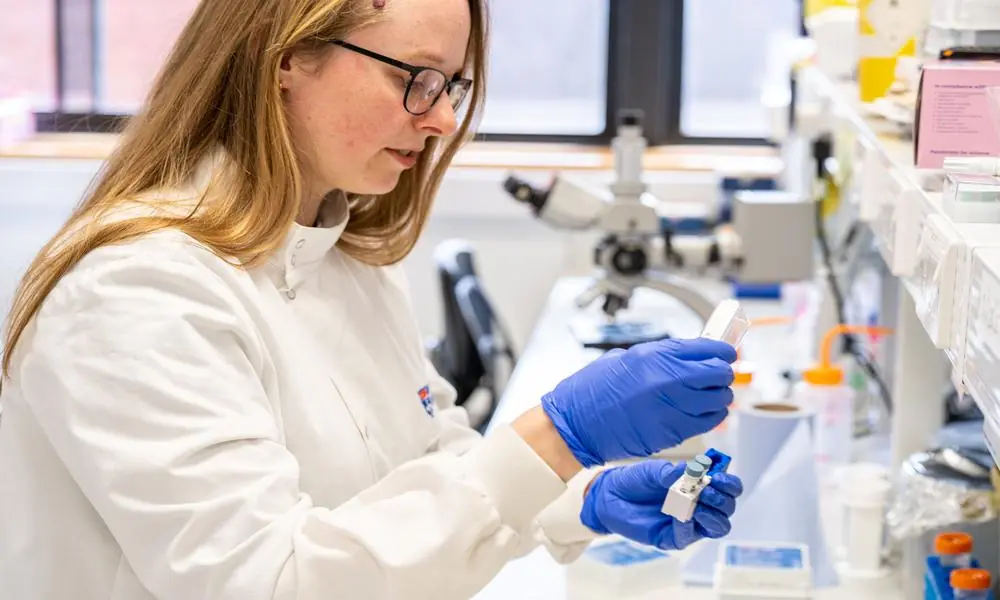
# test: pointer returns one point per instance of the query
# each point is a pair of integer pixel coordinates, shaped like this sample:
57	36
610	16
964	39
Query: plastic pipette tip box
618	567
759	571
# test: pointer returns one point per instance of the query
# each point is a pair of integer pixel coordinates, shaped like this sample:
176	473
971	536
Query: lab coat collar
304	247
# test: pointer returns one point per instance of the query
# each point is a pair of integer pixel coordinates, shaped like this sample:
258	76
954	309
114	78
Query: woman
215	388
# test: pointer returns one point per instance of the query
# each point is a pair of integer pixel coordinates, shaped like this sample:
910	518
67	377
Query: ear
285	72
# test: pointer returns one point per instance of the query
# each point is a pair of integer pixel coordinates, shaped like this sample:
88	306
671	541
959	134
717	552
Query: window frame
644	73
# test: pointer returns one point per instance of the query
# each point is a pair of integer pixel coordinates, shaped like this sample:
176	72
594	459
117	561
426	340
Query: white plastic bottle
824	390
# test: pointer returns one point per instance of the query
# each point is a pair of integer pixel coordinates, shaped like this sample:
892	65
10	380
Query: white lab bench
553	353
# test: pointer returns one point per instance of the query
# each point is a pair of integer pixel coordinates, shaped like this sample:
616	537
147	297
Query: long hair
219	88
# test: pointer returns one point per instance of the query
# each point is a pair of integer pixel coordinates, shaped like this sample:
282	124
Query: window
548	68
725	55
27	52
560	70
133	41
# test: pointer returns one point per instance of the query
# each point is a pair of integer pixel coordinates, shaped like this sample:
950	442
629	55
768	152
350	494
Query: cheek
363	119
346	128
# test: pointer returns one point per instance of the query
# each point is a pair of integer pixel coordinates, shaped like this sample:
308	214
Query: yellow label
887	29
875	76
814	7
865	26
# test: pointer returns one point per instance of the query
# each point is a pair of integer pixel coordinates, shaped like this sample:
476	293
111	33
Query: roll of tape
762	430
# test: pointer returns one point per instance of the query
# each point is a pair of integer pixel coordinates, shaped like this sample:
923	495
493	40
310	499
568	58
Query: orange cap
742	373
953	543
831	375
827	373
970	579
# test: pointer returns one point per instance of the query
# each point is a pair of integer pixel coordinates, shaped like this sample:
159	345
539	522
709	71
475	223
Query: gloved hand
627	501
636	402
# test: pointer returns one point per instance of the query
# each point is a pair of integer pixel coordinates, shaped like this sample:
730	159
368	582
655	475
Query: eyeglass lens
425	89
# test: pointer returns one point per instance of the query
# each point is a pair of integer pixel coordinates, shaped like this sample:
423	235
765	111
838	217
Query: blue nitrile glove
627	501
636	402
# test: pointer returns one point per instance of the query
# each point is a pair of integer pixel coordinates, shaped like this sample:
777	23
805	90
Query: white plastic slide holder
728	323
682	497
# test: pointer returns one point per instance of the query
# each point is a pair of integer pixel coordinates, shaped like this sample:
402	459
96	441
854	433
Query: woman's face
347	115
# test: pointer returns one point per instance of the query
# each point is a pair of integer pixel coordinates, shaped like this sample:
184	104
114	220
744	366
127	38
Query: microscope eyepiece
523	191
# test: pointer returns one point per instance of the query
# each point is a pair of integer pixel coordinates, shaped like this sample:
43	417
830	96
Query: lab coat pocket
363	429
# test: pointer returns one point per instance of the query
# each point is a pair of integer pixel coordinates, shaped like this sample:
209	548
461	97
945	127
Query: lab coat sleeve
148	378
558	527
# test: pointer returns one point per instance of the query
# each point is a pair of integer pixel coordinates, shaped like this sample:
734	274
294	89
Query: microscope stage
619	334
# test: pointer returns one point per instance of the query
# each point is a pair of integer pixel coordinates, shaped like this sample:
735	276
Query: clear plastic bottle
825	391
970	584
954	549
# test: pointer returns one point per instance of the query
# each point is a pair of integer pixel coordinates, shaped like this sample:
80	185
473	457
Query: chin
377	185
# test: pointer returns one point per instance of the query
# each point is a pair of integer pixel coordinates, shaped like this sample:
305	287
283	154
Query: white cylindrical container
854	476
865	501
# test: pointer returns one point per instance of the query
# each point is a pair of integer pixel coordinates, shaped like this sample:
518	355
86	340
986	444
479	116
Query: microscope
770	239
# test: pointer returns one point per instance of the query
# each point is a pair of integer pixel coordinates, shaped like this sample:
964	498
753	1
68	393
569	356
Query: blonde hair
219	88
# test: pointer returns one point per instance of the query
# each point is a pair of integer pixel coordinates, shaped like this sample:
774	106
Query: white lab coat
179	429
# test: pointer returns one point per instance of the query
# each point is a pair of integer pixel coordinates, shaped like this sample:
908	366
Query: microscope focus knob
629	261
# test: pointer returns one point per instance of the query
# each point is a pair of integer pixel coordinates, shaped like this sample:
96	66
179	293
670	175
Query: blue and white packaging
760	571
616	567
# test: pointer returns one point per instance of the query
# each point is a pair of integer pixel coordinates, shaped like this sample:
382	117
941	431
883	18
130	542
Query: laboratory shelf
947	301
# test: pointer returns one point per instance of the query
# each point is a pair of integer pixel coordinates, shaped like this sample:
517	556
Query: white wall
36	197
518	257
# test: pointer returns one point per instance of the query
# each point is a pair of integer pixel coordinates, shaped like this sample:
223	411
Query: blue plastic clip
720	461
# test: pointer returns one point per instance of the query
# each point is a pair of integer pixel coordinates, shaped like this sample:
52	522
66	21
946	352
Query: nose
440	120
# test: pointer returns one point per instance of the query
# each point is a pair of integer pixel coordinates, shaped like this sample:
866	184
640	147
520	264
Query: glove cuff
588	513
585	458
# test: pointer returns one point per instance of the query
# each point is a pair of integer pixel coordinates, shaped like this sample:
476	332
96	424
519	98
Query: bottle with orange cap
953	549
953	573
825	391
970	584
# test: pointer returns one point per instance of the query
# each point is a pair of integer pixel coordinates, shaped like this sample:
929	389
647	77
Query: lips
407	158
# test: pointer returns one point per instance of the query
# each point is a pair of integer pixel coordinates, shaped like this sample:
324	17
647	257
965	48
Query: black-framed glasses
425	86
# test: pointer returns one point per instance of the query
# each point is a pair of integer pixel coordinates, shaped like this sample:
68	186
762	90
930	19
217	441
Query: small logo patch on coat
426	399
